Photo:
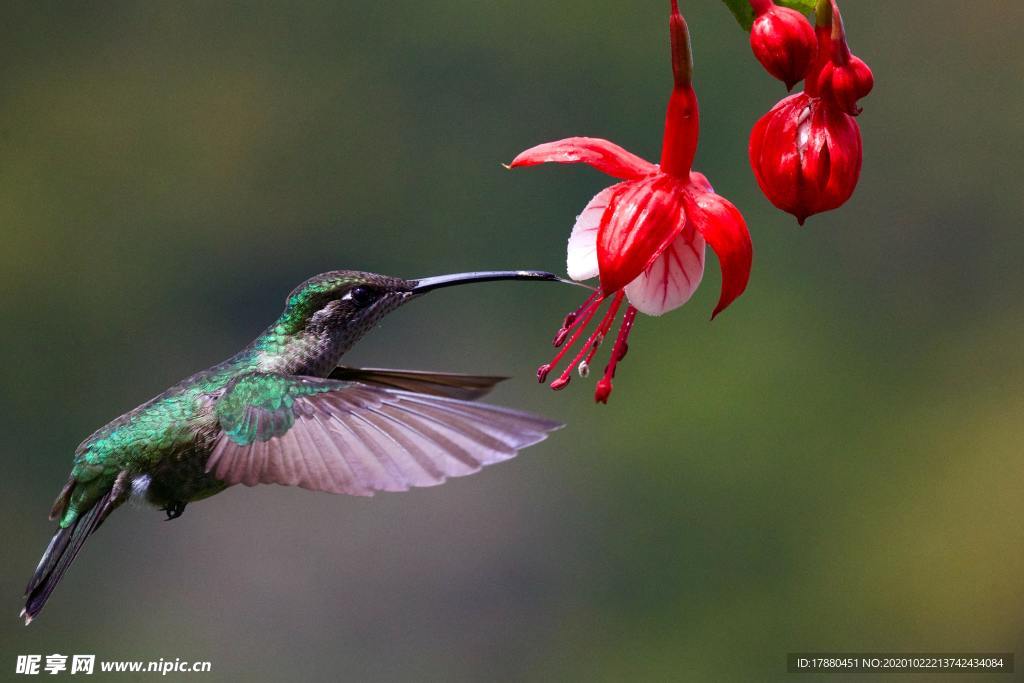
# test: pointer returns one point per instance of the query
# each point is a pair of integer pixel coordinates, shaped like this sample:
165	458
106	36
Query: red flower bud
841	77
783	41
806	155
846	83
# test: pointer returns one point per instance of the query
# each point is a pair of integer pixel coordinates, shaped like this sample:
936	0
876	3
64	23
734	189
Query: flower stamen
590	347
542	371
573	319
606	324
578	322
604	387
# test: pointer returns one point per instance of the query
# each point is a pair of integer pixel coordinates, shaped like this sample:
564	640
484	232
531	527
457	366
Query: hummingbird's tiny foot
174	510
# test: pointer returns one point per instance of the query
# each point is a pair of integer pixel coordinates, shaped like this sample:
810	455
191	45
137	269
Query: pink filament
542	371
618	352
574	319
576	323
591	345
606	324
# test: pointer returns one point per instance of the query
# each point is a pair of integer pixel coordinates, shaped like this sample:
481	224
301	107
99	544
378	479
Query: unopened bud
806	155
846	83
783	41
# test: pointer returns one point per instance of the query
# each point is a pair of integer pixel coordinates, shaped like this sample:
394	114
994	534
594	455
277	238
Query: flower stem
682	120
823	13
824	28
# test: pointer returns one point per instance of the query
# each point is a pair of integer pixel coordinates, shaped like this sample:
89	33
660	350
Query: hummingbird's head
357	300
347	298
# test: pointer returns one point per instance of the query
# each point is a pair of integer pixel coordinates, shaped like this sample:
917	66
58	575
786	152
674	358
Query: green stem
823	13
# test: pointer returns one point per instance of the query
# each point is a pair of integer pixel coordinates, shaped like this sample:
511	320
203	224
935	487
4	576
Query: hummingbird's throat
318	349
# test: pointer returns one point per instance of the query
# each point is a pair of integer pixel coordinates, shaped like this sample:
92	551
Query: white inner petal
672	278
581	255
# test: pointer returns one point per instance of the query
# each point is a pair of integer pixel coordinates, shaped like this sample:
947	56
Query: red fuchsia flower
806	152
645	237
783	41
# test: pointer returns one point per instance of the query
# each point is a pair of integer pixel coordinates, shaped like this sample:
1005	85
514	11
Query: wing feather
367	465
406	436
334	449
355	438
465	387
463	427
402	466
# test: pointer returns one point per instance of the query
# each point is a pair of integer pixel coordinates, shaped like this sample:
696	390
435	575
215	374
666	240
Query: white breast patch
140	485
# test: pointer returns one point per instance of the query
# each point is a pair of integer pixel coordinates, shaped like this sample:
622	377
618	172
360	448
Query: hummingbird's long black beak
427	284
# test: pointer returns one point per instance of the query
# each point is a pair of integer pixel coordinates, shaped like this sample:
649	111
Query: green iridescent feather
259	406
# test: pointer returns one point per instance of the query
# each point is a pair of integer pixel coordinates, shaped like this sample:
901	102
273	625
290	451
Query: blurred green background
833	464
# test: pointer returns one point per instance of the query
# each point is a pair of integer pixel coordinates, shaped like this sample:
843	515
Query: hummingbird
283	410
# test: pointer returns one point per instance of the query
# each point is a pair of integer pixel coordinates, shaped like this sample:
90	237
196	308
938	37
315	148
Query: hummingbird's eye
361	296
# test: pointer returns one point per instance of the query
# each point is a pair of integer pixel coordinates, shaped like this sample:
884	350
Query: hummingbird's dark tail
60	553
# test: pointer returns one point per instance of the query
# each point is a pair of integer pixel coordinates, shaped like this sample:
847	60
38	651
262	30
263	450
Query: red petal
775	151
701	181
726	233
831	161
603	155
642	219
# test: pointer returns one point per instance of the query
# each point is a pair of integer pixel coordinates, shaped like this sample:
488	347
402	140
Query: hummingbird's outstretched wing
452	385
357	438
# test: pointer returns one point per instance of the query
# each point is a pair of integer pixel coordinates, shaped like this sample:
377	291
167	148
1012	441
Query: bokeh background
833	464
